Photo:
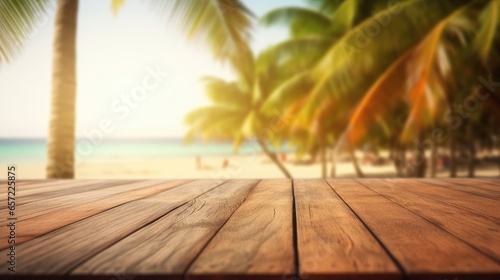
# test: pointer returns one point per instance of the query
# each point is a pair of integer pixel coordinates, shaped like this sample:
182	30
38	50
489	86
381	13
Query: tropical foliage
357	72
17	21
236	111
391	74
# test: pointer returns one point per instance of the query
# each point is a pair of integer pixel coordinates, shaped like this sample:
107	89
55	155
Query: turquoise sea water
35	150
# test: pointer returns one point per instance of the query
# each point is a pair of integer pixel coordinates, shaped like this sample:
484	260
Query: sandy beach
248	166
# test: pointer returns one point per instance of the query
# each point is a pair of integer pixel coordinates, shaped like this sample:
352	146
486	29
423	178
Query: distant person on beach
225	163
198	162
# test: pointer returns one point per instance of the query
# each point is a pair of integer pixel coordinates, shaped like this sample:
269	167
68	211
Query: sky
115	54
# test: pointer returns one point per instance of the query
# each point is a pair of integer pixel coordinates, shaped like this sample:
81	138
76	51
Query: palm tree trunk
333	170
472	151
420	160
453	153
392	147
61	140
274	158
452	142
472	160
323	159
498	148
313	154
359	173
400	161
434	160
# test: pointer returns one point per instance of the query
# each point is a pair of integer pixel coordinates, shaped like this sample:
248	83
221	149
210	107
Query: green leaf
18	19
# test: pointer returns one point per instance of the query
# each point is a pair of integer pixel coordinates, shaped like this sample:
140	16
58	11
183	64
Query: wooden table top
254	229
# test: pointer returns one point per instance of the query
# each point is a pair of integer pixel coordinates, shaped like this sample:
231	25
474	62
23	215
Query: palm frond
338	72
345	15
384	94
489	23
225	93
300	20
328	6
214	122
224	24
299	53
419	75
288	92
424	83
18	18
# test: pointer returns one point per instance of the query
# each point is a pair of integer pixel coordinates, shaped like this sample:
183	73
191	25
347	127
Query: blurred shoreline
211	167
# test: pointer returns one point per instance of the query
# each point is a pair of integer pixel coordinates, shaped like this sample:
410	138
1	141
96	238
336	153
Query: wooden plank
257	241
60	204
332	242
476	230
59	251
492	181
53	220
39	187
181	235
480	205
48	183
473	187
476	184
33	195
424	250
24	184
24	196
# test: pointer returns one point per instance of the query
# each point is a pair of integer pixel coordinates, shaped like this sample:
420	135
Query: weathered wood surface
257	240
254	229
35	221
332	240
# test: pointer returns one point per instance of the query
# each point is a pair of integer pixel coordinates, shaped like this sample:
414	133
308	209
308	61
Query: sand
254	166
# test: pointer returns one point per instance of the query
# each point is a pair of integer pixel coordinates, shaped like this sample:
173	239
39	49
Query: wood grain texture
495	181
487	186
489	181
63	203
181	235
36	184
247	229
421	248
331	240
478	188
256	241
25	183
487	207
48	222
59	251
473	229
51	191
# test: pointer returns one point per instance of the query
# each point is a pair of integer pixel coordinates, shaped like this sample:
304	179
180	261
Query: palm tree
235	113
61	140
425	70
314	30
17	19
225	24
336	76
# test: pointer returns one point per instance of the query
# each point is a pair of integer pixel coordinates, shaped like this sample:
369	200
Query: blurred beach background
171	158
250	89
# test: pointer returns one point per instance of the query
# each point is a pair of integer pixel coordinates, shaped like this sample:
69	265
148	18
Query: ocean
35	150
